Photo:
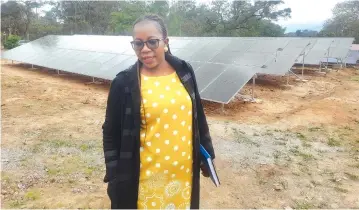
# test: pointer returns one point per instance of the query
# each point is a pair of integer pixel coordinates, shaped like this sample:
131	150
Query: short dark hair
161	23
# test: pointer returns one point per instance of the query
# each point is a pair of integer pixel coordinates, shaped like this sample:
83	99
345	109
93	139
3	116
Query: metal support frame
253	85
300	78
303	65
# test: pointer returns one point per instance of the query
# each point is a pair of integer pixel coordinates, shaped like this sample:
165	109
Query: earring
166	48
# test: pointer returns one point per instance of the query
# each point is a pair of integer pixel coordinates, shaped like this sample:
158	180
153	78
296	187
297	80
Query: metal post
93	79
328	58
253	84
58	72
288	78
303	67
222	107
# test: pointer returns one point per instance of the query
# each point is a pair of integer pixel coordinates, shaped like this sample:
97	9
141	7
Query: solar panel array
326	47
222	65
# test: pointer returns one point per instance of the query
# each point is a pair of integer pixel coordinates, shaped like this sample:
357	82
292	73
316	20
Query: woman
154	126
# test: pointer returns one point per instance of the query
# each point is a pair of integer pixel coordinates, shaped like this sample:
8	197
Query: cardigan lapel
135	94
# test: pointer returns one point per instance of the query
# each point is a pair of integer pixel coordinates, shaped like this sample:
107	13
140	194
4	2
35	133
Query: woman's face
151	53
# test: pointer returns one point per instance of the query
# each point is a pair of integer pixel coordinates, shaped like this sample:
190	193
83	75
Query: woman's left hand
204	170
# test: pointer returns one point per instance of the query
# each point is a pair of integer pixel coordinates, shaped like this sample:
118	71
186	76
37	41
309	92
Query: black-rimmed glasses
151	44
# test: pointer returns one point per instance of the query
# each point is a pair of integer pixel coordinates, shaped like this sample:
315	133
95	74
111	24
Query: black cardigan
121	134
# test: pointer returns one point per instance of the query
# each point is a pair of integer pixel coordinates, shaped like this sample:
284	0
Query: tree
345	21
237	17
11	42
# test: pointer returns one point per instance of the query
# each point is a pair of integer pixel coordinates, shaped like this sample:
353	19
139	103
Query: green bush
11	42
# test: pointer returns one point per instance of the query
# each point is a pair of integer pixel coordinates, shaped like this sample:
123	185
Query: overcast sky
308	14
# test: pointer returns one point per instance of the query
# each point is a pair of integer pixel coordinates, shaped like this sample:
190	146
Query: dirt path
298	148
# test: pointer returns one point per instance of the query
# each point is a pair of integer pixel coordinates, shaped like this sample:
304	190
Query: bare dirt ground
297	148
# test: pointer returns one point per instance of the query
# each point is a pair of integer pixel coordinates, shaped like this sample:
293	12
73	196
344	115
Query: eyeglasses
151	44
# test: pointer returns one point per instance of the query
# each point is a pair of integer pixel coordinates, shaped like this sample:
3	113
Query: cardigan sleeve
109	147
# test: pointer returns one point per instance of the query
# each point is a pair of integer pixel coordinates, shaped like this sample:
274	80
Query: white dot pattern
166	142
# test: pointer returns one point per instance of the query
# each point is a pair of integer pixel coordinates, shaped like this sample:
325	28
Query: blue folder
211	168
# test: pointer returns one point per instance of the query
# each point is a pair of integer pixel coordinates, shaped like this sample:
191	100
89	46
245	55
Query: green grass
352	176
5	177
32	195
333	142
16	204
89	170
84	147
355	78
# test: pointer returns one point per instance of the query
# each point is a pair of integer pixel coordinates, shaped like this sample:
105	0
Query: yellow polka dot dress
166	144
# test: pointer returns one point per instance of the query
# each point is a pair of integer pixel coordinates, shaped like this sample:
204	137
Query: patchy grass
355	78
84	147
333	142
268	133
53	171
306	144
58	143
315	183
313	129
352	176
348	128
280	143
305	156
301	136
5	177
276	154
16	204
32	195
355	165
340	189
303	205
90	170
242	138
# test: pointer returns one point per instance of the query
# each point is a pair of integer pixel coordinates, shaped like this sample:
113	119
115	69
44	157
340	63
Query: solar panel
353	57
285	57
228	83
336	47
223	65
207	73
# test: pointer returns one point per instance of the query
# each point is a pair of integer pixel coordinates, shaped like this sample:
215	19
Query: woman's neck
161	70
